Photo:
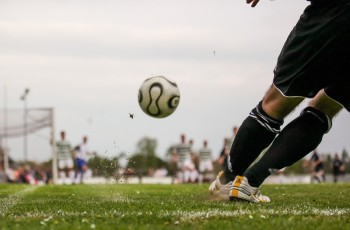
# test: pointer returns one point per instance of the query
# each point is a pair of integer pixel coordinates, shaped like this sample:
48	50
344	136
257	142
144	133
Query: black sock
255	134
295	141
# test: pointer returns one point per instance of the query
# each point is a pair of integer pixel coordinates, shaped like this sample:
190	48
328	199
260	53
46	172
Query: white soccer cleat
219	190
240	189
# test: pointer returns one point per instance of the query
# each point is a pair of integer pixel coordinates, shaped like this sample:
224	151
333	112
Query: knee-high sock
255	134
296	140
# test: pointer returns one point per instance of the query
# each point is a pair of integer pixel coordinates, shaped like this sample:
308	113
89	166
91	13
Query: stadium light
25	131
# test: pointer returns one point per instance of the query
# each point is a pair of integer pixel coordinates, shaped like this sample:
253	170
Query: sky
88	58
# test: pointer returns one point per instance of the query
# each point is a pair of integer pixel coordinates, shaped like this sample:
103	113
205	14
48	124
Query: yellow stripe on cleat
234	193
238	181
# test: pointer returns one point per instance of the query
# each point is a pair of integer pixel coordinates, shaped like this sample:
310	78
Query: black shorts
316	54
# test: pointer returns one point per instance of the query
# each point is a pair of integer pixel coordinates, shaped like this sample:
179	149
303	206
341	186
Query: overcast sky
87	59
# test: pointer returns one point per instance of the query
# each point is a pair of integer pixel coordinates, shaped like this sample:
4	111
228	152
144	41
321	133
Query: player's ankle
228	176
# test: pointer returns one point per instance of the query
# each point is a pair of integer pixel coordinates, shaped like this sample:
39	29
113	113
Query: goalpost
21	123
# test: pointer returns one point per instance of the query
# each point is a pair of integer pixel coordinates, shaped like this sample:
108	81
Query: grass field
312	206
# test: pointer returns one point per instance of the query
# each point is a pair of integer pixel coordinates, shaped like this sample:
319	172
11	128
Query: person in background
338	168
222	160
317	167
231	139
81	156
194	171
182	153
205	163
65	160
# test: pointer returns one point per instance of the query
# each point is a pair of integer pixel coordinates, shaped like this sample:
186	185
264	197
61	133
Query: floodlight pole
25	125
53	148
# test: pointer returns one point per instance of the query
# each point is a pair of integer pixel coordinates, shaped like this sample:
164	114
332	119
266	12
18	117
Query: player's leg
70	169
180	172
61	170
65	171
255	134
186	176
78	170
82	171
201	172
297	139
210	171
194	176
261	127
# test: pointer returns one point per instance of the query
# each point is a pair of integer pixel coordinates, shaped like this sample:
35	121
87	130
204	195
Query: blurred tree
345	156
147	146
101	166
145	159
345	159
296	168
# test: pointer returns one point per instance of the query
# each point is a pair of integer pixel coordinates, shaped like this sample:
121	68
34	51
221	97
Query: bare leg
325	104
276	105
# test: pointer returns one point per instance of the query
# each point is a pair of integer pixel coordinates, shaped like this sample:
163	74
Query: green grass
314	206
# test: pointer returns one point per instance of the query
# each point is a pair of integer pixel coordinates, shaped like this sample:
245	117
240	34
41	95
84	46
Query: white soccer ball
158	96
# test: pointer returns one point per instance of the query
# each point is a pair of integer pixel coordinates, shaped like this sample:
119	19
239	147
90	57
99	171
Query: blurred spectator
173	169
2	175
224	154
338	168
185	166
161	172
194	172
317	167
205	163
230	139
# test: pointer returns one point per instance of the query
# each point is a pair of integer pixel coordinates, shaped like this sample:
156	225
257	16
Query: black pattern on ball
154	101
158	96
173	101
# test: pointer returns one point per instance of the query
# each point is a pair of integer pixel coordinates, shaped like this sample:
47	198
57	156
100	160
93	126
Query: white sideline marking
193	215
13	199
186	216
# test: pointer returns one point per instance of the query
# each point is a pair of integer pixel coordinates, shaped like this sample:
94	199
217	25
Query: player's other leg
297	139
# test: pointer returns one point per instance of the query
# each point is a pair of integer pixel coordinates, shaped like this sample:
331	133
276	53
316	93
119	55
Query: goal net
15	123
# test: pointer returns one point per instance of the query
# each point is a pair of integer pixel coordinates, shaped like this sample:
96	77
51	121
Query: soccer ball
159	97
